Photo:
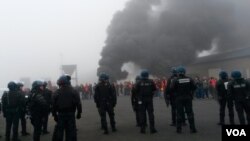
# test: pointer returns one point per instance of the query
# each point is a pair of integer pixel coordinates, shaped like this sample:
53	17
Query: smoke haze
159	34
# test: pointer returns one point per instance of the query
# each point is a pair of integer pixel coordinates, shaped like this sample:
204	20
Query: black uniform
65	103
184	87
239	89
134	102
48	97
97	106
38	108
145	89
171	97
105	99
224	99
12	103
23	113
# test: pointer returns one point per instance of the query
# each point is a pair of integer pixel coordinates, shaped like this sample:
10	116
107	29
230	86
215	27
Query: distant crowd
205	88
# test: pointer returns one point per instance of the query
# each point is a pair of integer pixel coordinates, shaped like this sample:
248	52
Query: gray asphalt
206	118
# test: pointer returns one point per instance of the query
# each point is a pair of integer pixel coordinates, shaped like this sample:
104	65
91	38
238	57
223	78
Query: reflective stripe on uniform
186	80
240	86
145	84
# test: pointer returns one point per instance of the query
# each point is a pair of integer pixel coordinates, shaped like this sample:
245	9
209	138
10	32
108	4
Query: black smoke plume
158	34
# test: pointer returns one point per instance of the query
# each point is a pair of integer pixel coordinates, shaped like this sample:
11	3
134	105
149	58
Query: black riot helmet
12	86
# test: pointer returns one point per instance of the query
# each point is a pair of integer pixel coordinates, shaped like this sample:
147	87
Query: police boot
114	129
153	131
193	130
178	126
178	130
192	126
25	133
143	131
105	131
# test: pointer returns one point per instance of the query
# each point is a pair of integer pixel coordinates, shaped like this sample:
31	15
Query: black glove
55	118
78	116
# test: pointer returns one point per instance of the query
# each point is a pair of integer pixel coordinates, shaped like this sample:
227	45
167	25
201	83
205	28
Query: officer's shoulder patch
184	80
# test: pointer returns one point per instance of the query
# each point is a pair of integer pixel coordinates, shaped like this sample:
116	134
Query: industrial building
210	66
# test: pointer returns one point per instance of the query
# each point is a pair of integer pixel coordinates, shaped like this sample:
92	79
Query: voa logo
236	132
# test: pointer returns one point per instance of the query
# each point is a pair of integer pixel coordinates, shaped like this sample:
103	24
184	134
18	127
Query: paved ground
206	117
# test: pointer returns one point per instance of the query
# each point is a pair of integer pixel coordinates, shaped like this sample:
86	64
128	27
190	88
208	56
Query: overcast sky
37	36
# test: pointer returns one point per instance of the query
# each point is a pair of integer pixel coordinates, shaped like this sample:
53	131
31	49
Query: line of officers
233	92
180	88
179	94
63	105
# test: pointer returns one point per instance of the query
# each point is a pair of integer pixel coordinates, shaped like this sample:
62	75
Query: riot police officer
65	103
170	98
239	89
134	101
38	107
224	98
48	97
105	99
184	87
12	103
97	106
23	110
145	89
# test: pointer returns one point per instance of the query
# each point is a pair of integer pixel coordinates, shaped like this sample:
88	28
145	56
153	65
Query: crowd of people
64	102
206	88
